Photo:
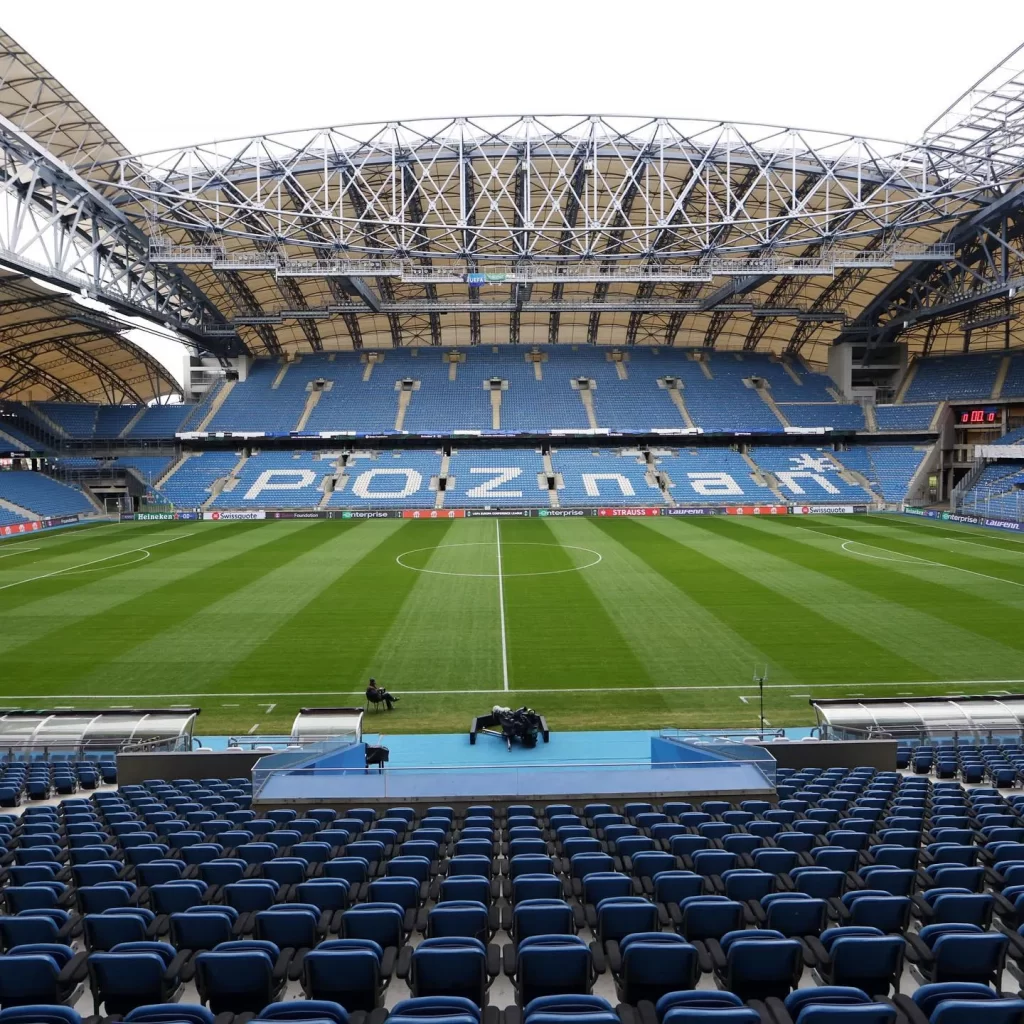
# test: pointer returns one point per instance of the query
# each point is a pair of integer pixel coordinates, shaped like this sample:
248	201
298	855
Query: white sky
161	75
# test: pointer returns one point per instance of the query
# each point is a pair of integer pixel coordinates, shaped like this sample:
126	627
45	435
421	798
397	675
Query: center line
501	608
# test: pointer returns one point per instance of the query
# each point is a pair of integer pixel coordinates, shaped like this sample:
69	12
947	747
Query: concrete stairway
133	422
908	379
19	510
763	478
770	402
214	407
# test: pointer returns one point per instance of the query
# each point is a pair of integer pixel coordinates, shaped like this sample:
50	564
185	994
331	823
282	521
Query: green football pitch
597	623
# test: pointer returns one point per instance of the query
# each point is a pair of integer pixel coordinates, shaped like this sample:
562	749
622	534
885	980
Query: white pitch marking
95	561
121	565
491	575
501	607
746	700
21	549
269	707
287	694
912	559
254	728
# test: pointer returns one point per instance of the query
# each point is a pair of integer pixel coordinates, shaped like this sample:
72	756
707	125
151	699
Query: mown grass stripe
557	629
55	605
676	638
869	599
448	627
333	640
95	649
231	629
803	643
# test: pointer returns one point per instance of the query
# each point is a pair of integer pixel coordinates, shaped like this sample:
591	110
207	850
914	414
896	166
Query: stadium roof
569	229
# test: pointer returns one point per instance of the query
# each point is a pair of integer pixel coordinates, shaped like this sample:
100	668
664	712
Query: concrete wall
135	768
880	754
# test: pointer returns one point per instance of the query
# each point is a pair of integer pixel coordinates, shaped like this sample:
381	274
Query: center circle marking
508	544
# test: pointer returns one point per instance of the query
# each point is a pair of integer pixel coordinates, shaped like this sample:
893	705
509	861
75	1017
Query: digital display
980	417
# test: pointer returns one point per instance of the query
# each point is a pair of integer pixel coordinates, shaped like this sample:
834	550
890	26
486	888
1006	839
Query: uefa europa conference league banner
504	513
961	517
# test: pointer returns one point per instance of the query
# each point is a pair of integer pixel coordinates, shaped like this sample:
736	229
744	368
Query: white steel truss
552	188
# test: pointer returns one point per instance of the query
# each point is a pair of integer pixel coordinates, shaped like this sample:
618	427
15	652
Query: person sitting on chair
375	694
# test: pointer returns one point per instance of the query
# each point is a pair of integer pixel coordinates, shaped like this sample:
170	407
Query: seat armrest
579	916
590	916
75	970
508	961
909	1009
252	871
703	956
646	1012
817	950
717	885
296	963
663	915
387	964
377	1016
513	1015
404	962
409	923
772	1011
280	972
421	921
490	1015
918	951
675	915
613	955
599	959
493	966
754	913
174	969
921	907
1015	950
188	968
717	954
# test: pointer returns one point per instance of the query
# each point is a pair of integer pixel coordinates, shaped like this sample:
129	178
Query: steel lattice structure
577	229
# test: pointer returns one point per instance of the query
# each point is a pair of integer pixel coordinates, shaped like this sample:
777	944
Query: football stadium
570	569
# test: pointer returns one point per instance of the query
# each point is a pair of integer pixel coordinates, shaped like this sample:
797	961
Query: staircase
940	411
797	379
1004	369
763	479
404	398
312	400
16	445
660	480
442	472
908	379
870	419
133	422
495	408
19	510
171	470
587	398
280	375
770	402
336	472
549	471
218	400
57	430
855	478
677	400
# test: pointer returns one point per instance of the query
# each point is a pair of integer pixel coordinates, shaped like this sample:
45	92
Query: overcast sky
161	75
